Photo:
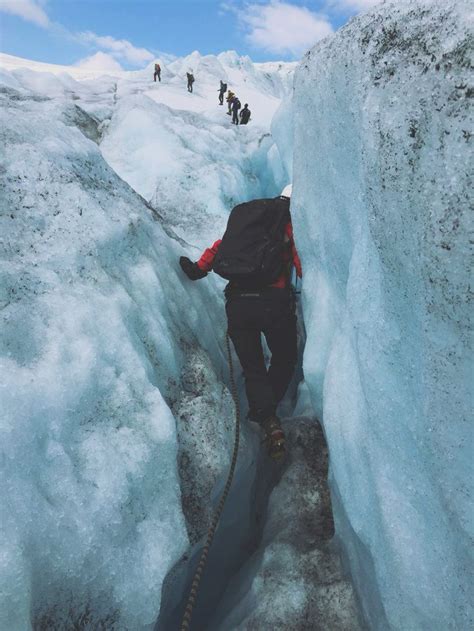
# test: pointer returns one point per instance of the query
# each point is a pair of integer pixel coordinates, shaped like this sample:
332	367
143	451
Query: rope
188	612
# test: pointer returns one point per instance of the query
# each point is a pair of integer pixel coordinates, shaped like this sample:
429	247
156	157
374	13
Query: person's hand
192	270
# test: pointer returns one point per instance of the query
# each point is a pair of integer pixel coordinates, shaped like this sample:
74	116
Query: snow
12	63
80	408
108	353
380	197
178	150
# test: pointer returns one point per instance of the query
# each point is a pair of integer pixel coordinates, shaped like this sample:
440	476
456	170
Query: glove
192	270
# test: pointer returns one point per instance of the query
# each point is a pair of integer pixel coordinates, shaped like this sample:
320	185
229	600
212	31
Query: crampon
274	438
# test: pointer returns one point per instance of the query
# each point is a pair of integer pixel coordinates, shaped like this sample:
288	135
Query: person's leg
245	333
281	336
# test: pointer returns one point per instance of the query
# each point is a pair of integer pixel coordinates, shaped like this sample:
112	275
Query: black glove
192	270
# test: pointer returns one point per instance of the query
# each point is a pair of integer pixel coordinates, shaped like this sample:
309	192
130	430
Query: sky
132	33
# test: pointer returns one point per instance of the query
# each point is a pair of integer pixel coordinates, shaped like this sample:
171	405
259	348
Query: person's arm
294	253
195	271
206	261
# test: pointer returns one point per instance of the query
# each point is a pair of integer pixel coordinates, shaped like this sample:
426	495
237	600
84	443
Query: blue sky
133	32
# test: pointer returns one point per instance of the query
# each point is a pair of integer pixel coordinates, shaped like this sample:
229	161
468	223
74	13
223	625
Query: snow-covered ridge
225	66
380	206
149	135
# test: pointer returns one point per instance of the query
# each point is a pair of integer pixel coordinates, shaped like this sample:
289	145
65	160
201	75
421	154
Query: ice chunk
379	205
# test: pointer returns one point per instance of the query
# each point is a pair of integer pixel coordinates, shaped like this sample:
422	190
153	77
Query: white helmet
286	192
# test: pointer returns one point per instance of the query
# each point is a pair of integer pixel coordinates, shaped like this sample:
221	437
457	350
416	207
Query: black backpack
224	87
251	253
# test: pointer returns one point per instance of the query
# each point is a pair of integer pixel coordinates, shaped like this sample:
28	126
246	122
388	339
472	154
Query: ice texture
380	200
108	354
89	478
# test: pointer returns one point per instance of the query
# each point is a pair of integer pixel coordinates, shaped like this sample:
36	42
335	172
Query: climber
222	91
157	72
245	115
230	97
259	299
236	105
190	77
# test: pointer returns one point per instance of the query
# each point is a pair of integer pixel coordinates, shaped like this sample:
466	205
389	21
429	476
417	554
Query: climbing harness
188	612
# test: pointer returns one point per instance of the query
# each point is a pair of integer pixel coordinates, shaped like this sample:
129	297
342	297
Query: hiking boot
274	437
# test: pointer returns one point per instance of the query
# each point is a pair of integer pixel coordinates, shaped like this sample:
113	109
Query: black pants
157	74
235	116
190	86
221	98
272	312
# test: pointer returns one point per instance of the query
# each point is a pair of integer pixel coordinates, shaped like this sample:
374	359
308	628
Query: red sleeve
207	259
294	253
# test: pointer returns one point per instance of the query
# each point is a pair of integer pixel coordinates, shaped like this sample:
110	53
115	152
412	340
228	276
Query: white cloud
101	62
119	48
29	10
122	49
280	27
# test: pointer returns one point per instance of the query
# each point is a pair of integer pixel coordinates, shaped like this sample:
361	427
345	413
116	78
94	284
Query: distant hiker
222	91
245	115
256	255
230	97
157	72
190	77
236	105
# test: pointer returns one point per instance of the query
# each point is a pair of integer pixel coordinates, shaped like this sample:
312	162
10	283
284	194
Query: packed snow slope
106	351
382	145
178	150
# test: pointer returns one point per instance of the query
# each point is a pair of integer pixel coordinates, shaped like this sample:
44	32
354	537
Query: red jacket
290	255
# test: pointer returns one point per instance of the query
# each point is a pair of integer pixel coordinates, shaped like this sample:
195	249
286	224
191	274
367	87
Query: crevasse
113	400
102	337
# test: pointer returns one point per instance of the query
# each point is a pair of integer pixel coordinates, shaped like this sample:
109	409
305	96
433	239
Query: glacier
379	154
116	418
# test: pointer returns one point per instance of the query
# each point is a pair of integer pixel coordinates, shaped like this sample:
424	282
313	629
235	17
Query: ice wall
382	148
97	325
115	419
